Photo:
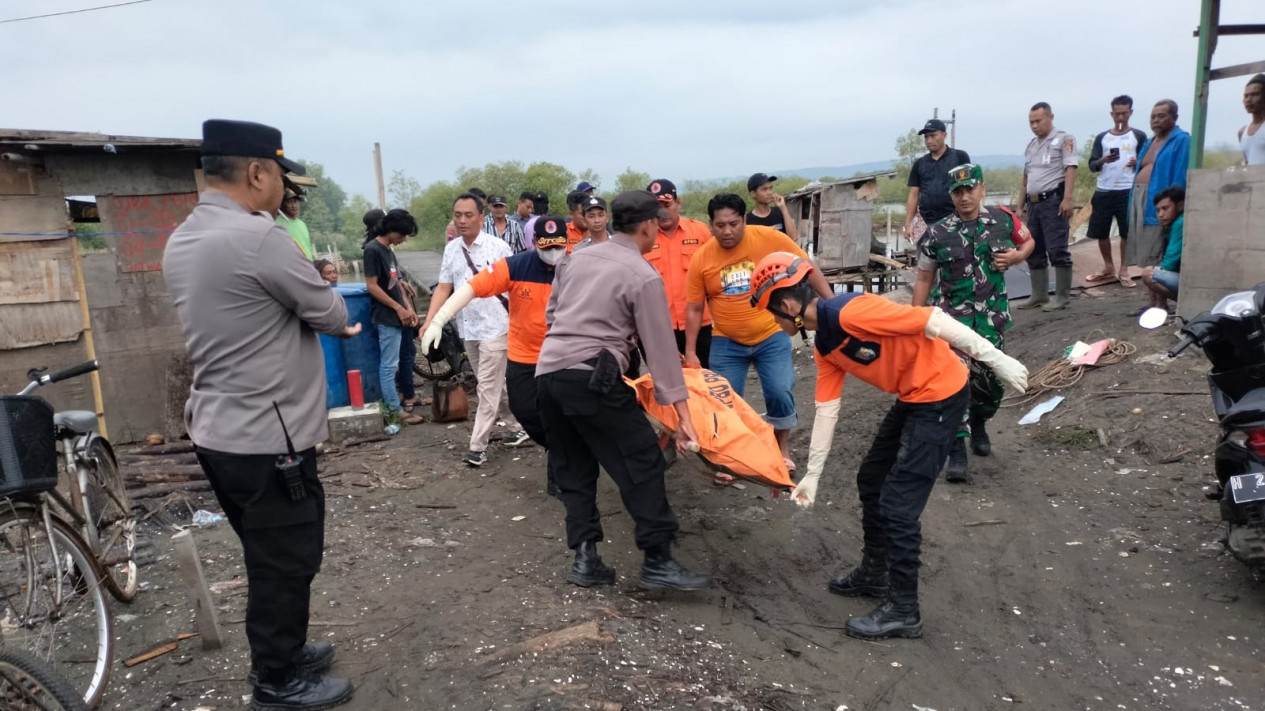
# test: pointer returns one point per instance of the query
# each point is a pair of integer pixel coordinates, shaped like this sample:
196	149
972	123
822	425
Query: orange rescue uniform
671	257
884	344
574	236
529	283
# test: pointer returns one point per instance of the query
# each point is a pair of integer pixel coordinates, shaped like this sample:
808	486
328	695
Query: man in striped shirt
500	225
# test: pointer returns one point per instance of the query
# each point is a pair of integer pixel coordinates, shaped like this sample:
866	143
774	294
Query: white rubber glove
1010	371
824	421
460	297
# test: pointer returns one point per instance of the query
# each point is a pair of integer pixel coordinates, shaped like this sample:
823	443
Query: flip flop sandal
1101	278
1126	281
411	419
408	406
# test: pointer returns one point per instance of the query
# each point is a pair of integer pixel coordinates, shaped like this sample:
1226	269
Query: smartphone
1115	152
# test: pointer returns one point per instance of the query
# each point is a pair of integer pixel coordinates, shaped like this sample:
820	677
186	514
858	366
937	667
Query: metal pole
377	170
1209	16
953	136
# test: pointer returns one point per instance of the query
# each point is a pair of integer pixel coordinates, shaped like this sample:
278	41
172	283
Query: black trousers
520	385
587	429
895	480
282	542
1051	233
702	346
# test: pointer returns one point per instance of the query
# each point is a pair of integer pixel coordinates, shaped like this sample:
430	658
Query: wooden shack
835	221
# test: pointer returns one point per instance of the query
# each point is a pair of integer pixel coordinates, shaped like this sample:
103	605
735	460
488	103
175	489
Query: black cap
662	188
637	206
221	137
551	230
759	179
933	125
594	202
497	200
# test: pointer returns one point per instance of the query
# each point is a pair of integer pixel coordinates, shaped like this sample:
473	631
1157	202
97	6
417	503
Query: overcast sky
689	89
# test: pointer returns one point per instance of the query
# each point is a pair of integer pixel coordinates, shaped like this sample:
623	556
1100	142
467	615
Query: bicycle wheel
51	602
27	684
116	524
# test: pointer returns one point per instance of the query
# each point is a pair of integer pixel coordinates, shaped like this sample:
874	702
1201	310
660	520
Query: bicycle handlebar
73	371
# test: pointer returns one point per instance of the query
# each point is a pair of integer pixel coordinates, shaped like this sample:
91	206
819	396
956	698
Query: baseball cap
594	202
759	179
584	186
967	174
292	195
222	137
550	231
497	200
933	125
662	189
638	206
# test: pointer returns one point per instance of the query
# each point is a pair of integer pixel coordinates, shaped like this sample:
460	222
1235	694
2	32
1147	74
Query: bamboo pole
89	345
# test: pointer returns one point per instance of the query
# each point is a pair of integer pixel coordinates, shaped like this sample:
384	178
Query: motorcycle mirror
1153	318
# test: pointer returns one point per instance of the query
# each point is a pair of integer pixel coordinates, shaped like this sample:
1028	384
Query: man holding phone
1113	158
971	249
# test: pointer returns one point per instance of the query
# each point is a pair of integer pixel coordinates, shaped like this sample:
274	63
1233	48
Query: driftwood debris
583	633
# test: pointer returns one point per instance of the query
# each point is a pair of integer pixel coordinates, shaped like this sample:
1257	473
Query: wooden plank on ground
195	581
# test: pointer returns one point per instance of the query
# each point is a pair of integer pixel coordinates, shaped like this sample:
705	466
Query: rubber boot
1040	289
588	569
898	616
957	471
980	444
661	572
1062	289
868	579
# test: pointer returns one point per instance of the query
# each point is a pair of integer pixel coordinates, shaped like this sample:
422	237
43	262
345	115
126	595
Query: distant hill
846	171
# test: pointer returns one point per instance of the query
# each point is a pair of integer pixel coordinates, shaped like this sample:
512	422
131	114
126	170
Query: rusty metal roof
813	188
51	141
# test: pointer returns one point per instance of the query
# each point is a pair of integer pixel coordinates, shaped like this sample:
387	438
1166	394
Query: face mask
551	256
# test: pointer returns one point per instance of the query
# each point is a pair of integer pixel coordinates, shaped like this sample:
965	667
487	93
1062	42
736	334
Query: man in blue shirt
1170	206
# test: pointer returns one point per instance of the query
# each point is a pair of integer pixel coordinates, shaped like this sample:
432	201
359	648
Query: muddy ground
1069	575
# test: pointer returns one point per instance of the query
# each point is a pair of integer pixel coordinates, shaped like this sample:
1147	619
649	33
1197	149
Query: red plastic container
354	391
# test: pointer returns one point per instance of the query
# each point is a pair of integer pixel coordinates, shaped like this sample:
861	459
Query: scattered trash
422	542
897	665
203	518
922	708
1091	353
518	518
1034	415
1136	411
1224	681
392	429
1073	543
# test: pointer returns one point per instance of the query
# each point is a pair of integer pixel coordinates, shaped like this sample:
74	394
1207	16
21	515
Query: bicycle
27	684
98	503
51	600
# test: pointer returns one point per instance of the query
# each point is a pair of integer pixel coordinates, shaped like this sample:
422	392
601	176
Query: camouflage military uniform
970	289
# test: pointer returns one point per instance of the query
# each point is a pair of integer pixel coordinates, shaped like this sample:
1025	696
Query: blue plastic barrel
335	373
361	353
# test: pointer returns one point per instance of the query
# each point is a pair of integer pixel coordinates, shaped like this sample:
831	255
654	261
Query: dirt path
1068	576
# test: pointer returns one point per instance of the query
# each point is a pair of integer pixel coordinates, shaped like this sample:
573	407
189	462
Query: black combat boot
898	616
661	572
980	444
588	569
868	579
314	658
956	472
304	692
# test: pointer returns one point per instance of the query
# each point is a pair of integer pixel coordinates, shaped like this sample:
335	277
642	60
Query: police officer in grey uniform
251	305
591	416
1049	173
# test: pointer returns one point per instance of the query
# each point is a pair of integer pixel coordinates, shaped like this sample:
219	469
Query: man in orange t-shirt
577	227
679	239
899	349
742	335
527	277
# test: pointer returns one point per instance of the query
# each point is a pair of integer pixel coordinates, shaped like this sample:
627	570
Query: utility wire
73	12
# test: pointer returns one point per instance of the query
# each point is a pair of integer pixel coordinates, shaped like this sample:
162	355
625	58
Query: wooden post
195	581
91	351
377	171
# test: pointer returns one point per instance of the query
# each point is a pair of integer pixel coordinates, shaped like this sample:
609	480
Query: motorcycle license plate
1247	487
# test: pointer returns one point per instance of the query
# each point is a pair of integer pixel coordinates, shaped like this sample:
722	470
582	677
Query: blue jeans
772	359
389	338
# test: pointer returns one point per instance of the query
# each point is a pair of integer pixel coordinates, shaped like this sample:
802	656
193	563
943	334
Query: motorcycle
1232	337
